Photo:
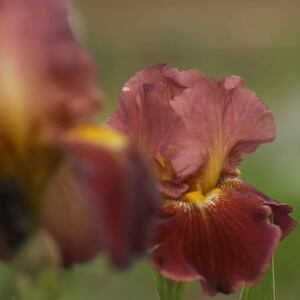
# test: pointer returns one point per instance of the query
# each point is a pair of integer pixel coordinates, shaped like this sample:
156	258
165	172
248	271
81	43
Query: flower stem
169	289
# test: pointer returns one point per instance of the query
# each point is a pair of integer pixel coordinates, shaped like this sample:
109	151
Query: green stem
169	289
263	290
36	269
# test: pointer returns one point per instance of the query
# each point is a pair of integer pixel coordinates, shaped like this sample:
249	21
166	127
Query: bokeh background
258	40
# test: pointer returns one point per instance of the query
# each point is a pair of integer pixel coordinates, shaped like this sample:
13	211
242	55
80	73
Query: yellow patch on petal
193	197
13	96
102	136
198	198
208	176
160	160
163	170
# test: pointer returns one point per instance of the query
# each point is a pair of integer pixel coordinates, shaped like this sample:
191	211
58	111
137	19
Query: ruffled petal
154	75
233	121
280	211
144	114
226	243
115	205
176	81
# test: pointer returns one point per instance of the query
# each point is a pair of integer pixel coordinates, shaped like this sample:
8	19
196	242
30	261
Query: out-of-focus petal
70	219
117	192
225	243
233	121
16	217
45	77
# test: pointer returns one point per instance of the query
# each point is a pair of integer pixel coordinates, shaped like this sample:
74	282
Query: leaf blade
264	289
169	289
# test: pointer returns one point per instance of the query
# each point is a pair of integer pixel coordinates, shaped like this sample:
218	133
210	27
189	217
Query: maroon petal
280	211
115	190
226	243
72	221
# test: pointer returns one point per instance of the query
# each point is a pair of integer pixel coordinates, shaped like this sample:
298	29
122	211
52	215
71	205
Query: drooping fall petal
280	211
226	243
115	205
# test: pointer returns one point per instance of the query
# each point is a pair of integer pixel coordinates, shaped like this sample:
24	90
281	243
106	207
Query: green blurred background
258	40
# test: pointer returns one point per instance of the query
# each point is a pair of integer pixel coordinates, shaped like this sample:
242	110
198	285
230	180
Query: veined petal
225	243
233	121
45	76
144	114
176	81
280	211
115	190
154	75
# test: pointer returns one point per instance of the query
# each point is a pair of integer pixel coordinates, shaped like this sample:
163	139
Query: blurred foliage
257	40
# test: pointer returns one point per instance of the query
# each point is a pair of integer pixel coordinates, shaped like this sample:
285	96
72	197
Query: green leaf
263	290
169	289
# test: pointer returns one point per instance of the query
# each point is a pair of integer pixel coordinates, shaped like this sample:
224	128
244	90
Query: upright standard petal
145	115
176	81
233	121
116	202
225	243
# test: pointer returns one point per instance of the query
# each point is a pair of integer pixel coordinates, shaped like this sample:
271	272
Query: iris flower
214	226
61	174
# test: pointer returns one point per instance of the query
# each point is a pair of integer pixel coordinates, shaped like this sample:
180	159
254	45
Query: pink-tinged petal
171	189
148	121
176	81
117	199
154	75
187	78
225	243
233	121
45	77
144	114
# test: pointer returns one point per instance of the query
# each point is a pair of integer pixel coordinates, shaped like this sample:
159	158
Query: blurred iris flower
82	185
214	227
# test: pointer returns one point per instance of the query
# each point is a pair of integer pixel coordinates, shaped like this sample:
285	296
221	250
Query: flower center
198	198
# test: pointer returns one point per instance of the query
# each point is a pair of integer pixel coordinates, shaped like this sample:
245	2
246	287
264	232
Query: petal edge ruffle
226	244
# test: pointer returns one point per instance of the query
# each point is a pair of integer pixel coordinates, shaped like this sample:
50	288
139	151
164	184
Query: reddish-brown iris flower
214	227
82	185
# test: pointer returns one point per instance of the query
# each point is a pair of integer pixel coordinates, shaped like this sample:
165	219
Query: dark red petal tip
280	212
